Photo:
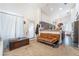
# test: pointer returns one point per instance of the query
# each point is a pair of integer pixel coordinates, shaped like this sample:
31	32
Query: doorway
31	30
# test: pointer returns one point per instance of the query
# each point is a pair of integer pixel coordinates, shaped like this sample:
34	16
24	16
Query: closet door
19	27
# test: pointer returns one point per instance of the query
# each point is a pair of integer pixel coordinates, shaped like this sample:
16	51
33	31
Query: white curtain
0	25
19	27
12	27
1	42
8	26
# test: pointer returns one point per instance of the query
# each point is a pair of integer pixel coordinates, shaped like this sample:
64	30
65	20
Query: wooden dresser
13	44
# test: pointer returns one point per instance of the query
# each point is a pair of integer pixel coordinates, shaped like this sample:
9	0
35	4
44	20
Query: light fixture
51	8
67	11
60	8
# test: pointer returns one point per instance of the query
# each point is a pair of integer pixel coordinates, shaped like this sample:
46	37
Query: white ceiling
52	9
21	8
56	9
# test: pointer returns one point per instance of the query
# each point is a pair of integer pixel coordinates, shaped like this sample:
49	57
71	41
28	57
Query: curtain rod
11	13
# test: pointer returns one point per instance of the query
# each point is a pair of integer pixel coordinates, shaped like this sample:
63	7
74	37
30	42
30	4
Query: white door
31	31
